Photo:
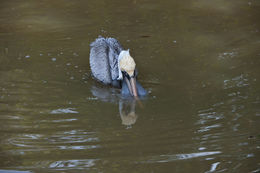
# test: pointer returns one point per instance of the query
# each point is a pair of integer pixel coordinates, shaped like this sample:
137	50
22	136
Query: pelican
110	64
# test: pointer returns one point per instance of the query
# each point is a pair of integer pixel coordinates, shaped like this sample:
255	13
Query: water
199	60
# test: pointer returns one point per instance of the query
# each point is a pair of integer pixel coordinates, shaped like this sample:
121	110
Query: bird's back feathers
104	60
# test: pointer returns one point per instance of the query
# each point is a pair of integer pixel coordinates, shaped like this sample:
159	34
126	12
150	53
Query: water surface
199	60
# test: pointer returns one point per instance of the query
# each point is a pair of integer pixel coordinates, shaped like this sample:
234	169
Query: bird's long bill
132	86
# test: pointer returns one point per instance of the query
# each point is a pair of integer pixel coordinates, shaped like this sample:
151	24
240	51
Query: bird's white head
126	63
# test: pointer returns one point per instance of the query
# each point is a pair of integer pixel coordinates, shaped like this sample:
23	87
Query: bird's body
104	60
112	65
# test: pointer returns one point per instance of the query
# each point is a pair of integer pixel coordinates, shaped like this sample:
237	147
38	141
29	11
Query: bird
111	65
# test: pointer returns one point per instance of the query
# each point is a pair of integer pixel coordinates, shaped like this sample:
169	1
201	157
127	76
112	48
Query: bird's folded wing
99	60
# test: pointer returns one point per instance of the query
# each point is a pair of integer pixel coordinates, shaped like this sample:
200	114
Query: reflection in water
105	93
126	106
127	111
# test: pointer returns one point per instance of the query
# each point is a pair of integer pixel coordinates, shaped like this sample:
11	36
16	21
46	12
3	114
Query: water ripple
13	171
63	164
64	111
213	167
174	157
207	128
238	81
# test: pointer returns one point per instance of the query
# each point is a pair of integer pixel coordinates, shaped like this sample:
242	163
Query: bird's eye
126	74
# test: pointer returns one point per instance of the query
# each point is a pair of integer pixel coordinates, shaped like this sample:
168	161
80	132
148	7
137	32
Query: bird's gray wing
99	60
114	50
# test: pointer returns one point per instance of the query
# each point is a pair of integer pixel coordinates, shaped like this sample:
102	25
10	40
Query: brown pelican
112	65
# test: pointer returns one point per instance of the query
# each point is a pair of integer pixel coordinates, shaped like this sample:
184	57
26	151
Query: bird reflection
127	112
127	106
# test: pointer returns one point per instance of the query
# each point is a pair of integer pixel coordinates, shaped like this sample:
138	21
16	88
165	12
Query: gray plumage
104	60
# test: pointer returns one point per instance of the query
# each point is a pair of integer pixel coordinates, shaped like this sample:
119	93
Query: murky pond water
199	60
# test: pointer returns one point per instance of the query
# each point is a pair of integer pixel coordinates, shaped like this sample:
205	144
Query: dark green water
199	60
